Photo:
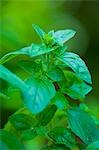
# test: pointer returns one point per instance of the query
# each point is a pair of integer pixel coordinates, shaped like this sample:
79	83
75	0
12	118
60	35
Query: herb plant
53	97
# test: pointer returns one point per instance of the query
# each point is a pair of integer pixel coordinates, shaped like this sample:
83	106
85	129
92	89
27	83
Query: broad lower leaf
28	134
82	124
46	115
62	136
74	62
60	101
21	121
9	142
38	94
93	146
73	86
63	36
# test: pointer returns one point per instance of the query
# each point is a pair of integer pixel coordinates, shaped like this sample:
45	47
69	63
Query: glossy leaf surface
82	124
60	101
62	136
63	36
73	86
38	94
74	62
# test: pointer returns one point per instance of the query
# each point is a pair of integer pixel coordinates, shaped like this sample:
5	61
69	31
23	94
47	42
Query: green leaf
40	92
46	115
28	134
11	55
60	101
55	74
74	62
32	51
83	125
8	141
63	36
39	31
73	86
21	121
34	92
37	50
29	66
93	146
41	131
62	136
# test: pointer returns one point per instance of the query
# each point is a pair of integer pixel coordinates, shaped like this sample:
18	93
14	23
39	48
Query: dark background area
16	18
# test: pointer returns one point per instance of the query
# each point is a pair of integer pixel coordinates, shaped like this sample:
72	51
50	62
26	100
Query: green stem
10	77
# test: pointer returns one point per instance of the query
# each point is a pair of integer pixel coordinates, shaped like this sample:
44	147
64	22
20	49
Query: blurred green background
16	18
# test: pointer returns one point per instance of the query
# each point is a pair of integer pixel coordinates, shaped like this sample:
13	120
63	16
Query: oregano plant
52	95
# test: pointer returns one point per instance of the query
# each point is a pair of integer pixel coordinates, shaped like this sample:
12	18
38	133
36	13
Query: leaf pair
35	50
58	37
30	126
24	123
73	86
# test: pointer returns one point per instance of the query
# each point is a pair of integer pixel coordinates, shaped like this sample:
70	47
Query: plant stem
10	77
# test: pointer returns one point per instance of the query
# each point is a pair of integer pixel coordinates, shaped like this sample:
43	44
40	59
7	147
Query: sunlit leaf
74	62
63	36
38	94
82	124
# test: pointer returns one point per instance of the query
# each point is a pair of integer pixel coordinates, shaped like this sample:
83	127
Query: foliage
55	77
